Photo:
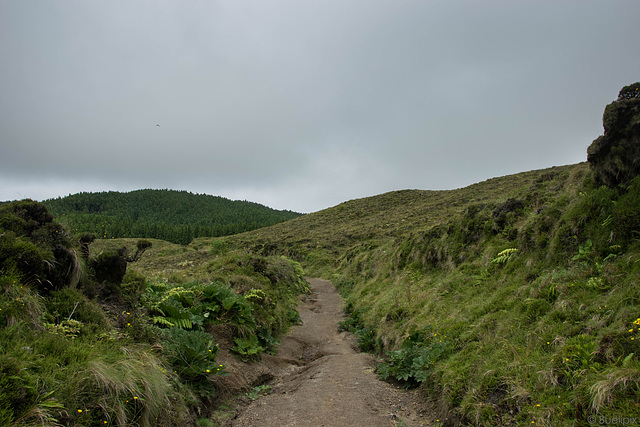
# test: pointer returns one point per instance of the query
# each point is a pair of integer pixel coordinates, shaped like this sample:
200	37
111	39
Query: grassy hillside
175	216
86	340
512	301
321	238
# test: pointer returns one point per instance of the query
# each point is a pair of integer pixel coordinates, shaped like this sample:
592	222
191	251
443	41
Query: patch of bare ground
317	378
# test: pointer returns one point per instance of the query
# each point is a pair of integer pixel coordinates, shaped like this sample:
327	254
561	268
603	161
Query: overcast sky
302	104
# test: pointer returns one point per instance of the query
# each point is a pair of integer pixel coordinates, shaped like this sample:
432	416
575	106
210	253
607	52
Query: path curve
328	383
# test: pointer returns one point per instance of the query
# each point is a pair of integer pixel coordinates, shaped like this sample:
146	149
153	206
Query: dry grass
132	387
40	415
617	382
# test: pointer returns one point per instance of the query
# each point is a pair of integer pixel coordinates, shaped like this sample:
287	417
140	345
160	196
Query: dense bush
69	303
255	295
108	270
109	266
36	246
412	362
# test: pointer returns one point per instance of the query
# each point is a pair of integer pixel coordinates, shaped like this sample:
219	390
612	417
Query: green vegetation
412	362
513	301
540	319
510	301
174	216
86	340
258	392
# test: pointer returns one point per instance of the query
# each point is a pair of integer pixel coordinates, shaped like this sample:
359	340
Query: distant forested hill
175	216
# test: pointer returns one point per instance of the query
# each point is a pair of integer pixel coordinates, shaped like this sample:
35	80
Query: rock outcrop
615	156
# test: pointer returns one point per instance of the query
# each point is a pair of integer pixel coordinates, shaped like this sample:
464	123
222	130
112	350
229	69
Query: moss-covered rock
615	156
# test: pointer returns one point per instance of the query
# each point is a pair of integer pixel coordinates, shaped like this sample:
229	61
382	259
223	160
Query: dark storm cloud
302	105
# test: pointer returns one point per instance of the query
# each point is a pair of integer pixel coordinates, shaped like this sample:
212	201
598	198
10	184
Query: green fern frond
504	256
183	323
163	321
257	294
180	294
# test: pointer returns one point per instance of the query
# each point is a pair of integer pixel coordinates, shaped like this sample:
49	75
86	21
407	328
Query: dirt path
327	382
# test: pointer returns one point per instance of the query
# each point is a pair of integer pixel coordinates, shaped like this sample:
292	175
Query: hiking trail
325	380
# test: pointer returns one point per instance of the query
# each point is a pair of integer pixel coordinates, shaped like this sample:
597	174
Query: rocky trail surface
319	379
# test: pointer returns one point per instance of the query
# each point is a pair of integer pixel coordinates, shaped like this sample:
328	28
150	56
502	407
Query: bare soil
318	378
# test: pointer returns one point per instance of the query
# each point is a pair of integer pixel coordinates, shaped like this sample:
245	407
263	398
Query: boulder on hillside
615	156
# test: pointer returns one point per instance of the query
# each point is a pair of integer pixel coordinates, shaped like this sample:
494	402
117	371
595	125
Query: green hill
174	216
515	300
326	235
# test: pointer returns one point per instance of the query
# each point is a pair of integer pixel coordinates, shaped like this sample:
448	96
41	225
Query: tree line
174	216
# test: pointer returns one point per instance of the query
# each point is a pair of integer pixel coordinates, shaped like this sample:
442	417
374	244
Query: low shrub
248	349
412	362
192	356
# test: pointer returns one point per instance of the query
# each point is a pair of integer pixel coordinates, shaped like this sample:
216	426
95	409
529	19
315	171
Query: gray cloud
302	105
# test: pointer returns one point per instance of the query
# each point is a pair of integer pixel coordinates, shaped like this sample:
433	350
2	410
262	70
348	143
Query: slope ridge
325	235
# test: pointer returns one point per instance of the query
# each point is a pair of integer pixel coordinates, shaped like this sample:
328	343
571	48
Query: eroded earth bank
319	379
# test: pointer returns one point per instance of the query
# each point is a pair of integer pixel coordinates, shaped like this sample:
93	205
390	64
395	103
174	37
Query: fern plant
504	256
194	305
255	295
185	296
171	313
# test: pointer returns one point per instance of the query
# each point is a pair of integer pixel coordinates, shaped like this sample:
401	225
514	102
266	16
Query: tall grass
131	389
